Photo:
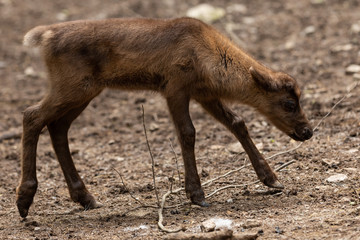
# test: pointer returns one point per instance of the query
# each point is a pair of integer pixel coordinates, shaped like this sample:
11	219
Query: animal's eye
289	106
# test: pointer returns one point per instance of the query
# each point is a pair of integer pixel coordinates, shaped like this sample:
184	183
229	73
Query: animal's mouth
306	133
296	137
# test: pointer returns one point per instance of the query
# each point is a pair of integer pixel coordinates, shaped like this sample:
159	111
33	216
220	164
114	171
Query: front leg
237	126
179	110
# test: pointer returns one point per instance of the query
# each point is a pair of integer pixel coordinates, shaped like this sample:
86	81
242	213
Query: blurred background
316	41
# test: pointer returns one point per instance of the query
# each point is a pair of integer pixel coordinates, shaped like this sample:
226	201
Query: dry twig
151	156
161	218
176	160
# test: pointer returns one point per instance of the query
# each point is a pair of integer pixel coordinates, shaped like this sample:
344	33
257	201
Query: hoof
23	207
23	212
24	196
89	202
203	204
93	205
197	197
275	184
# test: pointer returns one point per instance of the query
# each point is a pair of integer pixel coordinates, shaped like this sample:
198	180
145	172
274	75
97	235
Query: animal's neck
233	76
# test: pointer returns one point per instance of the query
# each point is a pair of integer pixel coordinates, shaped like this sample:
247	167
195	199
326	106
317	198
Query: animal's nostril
307	133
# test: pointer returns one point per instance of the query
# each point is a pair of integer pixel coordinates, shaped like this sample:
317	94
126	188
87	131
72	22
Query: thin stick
176	160
284	165
287	151
229	186
151	156
224	175
161	218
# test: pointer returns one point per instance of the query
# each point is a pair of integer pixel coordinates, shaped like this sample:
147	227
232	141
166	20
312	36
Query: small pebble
355	28
206	12
235	148
337	178
353	68
342	48
208	226
309	30
30	72
230	200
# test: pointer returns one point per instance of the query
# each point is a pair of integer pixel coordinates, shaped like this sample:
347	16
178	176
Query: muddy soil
313	41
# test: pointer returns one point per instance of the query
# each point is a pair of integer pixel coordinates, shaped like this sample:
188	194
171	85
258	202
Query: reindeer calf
182	59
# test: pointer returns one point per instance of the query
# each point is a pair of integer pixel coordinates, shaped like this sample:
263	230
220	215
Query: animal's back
126	53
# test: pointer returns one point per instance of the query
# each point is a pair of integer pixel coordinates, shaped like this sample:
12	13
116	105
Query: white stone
353	68
208	226
235	148
339	48
337	178
62	16
206	12
222	223
216	223
153	127
230	200
309	30
355	28
30	72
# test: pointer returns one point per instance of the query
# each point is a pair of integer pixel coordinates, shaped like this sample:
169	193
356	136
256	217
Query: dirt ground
312	40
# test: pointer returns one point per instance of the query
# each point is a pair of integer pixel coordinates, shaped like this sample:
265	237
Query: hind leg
32	126
59	136
52	108
35	119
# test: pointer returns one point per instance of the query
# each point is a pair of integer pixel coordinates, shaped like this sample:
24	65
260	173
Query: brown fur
182	59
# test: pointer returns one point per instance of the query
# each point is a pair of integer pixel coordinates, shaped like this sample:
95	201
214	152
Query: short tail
37	36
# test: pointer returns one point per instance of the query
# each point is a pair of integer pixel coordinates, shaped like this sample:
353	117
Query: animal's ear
263	79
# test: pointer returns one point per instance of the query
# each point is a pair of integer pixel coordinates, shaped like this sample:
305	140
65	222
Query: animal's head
279	102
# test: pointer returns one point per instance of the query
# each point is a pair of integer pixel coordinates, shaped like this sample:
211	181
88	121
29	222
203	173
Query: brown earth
304	38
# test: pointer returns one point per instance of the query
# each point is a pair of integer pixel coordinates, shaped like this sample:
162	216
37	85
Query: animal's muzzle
302	134
306	133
